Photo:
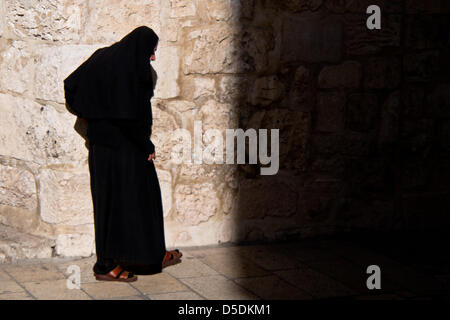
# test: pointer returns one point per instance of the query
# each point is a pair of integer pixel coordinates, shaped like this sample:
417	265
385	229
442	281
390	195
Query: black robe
128	212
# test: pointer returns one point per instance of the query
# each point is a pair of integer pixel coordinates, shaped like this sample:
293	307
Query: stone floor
312	269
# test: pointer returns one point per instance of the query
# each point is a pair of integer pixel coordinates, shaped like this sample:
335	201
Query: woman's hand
151	157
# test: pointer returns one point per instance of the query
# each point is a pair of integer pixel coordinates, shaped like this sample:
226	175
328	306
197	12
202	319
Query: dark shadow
364	127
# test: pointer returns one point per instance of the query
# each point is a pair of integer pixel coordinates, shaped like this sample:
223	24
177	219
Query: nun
111	90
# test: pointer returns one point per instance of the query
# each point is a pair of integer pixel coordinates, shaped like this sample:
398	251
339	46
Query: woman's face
153	57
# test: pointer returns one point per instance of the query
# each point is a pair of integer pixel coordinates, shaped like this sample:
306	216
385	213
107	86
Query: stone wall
363	115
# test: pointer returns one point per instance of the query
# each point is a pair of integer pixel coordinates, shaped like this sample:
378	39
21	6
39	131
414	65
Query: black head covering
115	82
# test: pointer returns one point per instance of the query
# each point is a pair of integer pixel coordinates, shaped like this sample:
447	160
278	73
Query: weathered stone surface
162	131
330	112
198	87
54	64
210	50
2	18
293	128
43	134
166	66
195	203
298	44
65	195
221	10
17	68
266	90
15	245
302	92
219	116
75	245
17	188
259	48
183	111
46	19
165	182
382	73
109	21
232	88
182	8
345	75
362	41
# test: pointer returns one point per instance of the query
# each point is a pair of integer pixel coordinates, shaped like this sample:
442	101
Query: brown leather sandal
171	258
116	274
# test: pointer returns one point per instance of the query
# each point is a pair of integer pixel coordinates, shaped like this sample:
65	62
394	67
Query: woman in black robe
112	91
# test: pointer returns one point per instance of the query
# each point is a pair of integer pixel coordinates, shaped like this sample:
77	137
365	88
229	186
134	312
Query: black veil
115	82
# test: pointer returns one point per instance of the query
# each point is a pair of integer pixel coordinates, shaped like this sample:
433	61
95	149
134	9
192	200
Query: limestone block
16	245
46	19
220	10
162	130
195	87
16	67
33	132
302	92
182	8
184	112
169	30
165	182
17	188
215	115
109	21
266	90
166	66
204	173
54	64
294	129
345	75
210	50
65	195
75	245
206	233
232	88
2	17
195	203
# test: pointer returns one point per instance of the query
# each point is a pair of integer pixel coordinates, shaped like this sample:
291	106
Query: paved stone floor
312	269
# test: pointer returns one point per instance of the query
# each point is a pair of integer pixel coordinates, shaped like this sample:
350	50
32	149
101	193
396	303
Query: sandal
171	258
116	274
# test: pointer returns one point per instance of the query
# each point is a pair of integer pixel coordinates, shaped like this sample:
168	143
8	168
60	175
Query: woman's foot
171	258
116	274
